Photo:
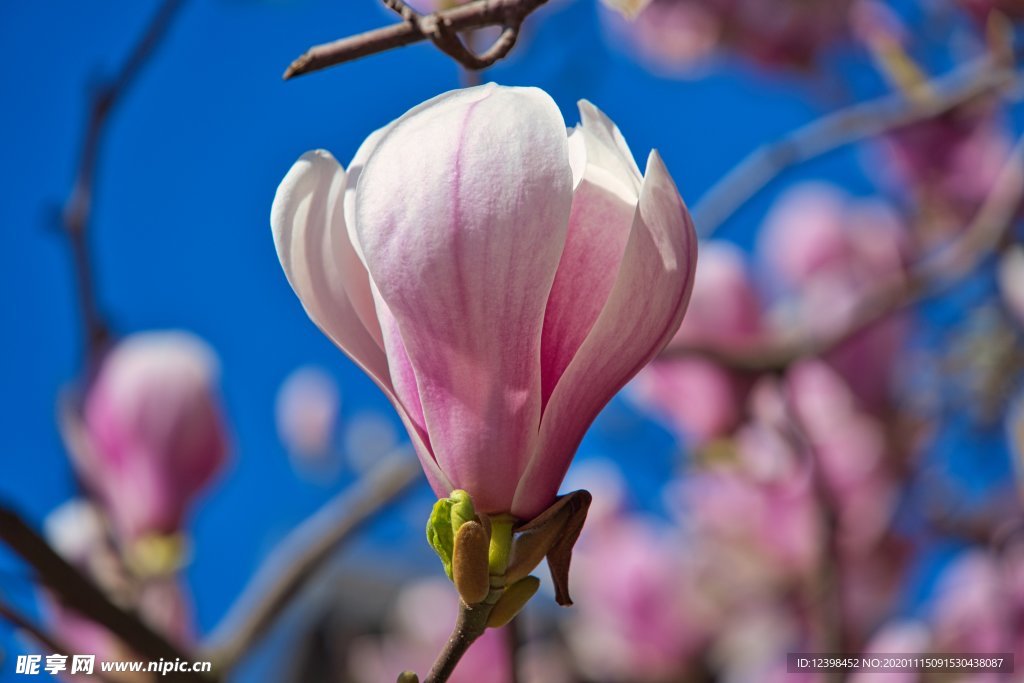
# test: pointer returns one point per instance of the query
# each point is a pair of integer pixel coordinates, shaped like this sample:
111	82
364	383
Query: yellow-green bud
462	509
512	601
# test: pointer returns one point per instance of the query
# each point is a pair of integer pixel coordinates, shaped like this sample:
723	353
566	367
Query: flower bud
155	431
512	601
487	299
469	563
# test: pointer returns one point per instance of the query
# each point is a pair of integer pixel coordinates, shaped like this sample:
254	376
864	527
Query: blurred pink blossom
488	299
761	507
76	531
971	610
851	448
702	399
902	637
827	251
675	35
155	429
307	412
981	9
641	617
949	163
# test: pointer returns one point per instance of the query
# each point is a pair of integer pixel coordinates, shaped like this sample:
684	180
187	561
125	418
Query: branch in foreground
441	28
842	128
470	625
302	553
48	641
82	595
78	206
928	277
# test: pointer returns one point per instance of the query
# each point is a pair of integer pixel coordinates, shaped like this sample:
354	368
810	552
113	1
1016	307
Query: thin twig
842	128
928	277
470	625
440	28
302	553
78	206
55	646
79	593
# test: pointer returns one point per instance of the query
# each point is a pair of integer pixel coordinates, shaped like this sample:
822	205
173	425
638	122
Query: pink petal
602	213
330	280
643	311
461	214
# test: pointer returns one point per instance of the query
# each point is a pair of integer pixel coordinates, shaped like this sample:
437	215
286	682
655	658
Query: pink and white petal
328	276
643	312
461	211
607	148
306	214
602	213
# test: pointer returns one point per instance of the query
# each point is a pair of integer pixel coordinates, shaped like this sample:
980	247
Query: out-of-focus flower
419	627
757	515
488	299
827	251
307	413
971	610
949	164
981	9
163	605
702	399
75	530
909	637
752	646
850	447
641	616
155	430
675	35
368	438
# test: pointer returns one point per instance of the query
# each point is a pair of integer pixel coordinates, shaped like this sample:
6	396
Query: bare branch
78	206
842	128
439	28
928	277
302	553
82	595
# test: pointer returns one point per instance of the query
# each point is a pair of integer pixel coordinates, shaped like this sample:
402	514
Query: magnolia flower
642	616
972	611
76	530
498	279
981	9
828	251
675	35
154	429
948	164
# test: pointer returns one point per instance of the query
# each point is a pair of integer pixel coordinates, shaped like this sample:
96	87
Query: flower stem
470	625
472	620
